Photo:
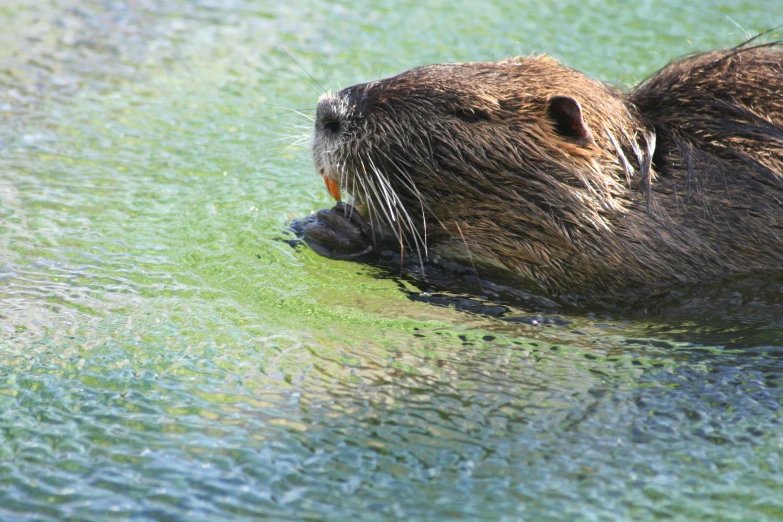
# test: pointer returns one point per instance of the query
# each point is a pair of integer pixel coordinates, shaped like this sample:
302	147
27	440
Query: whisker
470	256
373	214
374	190
294	137
417	239
405	179
402	248
323	68
289	146
398	206
370	208
303	69
299	112
308	128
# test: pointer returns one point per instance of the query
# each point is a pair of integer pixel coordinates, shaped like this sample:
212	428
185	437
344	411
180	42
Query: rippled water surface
164	356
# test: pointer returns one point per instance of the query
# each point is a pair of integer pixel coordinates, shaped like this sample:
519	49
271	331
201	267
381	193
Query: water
163	356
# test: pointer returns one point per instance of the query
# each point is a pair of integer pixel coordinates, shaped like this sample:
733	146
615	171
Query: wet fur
680	180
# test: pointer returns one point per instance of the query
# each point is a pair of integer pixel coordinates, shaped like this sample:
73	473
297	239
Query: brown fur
679	180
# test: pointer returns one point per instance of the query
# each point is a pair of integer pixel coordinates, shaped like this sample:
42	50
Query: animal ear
566	113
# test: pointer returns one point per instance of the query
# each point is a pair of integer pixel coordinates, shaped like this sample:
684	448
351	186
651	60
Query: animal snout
334	110
330	114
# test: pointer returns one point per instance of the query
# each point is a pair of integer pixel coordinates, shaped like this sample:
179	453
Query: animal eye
472	115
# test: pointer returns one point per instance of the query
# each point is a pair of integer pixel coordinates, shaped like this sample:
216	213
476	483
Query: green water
163	356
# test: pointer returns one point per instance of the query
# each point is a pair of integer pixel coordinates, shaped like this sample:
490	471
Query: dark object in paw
339	233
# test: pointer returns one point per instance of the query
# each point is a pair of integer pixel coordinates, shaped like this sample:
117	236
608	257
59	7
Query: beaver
535	170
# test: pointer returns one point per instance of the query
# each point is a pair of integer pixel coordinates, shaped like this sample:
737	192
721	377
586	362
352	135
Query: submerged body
535	169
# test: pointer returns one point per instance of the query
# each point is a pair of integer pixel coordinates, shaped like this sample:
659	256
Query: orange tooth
332	187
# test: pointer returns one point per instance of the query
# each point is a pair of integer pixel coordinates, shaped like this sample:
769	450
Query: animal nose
335	110
329	114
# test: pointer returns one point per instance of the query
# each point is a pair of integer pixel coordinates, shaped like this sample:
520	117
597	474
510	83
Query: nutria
533	168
